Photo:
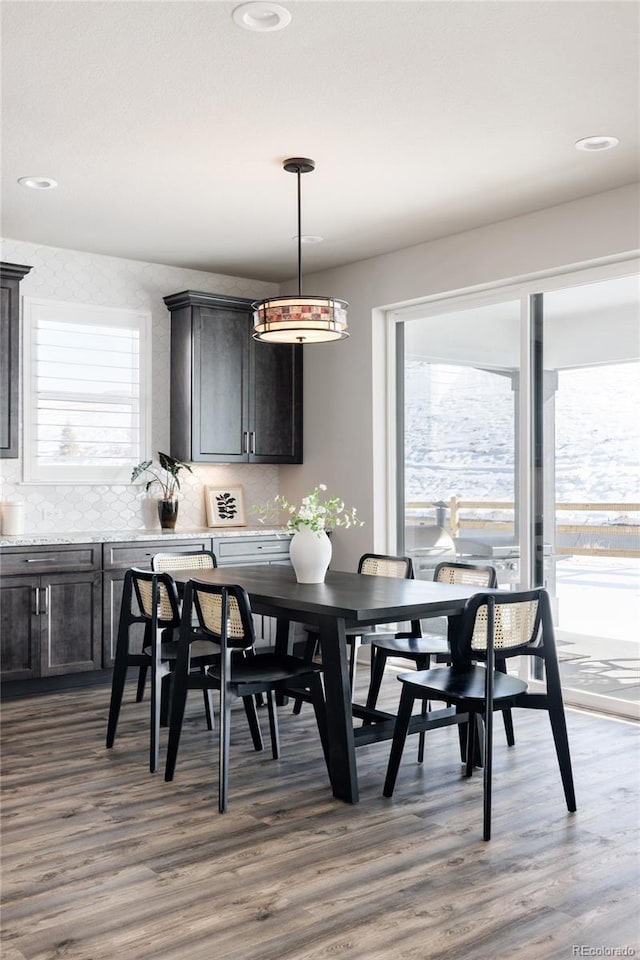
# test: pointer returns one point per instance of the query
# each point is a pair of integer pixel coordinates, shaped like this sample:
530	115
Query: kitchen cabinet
60	604
51	602
233	399
117	558
10	276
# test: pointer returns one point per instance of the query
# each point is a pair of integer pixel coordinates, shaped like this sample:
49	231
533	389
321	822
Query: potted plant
310	550
165	477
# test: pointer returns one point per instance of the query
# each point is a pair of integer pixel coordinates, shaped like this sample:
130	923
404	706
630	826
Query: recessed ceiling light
309	238
38	183
261	16
596	143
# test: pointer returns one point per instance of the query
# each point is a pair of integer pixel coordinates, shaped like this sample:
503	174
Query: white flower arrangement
319	514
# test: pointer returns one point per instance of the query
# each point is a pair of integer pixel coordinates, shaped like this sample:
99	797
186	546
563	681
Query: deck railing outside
618	538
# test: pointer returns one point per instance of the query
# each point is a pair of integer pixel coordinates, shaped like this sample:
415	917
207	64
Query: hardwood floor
102	860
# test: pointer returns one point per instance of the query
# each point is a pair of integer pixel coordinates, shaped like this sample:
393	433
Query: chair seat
464	684
200	650
425	645
265	670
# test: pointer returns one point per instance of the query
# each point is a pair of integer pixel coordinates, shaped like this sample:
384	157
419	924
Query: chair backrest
475	576
146	585
381	565
223	611
508	623
202	560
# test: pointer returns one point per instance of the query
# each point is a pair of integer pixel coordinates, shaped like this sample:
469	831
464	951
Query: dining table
344	600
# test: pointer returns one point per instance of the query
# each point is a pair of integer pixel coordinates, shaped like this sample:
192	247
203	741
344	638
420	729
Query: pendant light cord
299	236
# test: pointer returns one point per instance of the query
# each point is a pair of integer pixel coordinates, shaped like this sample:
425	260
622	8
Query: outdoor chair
505	625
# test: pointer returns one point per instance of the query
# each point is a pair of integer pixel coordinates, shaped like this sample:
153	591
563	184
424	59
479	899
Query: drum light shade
299	319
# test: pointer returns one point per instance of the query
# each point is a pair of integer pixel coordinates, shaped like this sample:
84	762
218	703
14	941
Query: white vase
310	555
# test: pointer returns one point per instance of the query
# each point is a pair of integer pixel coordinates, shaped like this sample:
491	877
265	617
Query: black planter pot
168	513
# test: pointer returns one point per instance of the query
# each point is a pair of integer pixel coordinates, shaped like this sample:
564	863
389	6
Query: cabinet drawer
257	549
54	559
121	556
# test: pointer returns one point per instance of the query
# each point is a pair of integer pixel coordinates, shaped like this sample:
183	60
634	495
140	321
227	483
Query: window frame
36	309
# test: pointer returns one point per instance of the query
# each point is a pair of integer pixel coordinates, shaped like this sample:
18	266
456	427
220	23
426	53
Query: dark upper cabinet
233	399
10	276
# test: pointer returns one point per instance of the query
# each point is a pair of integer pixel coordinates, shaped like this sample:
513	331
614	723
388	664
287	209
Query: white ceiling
166	124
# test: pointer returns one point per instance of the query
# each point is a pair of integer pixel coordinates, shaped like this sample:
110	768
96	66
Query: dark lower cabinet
50	624
233	399
60	605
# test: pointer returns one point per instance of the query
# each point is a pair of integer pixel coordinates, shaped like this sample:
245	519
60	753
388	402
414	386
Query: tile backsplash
74	276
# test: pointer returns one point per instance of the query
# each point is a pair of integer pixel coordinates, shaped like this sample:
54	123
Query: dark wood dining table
343	600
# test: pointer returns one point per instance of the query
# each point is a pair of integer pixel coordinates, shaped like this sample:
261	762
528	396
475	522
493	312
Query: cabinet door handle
252	448
43	606
36	605
245	441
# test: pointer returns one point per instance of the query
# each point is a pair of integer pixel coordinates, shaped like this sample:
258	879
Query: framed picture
225	506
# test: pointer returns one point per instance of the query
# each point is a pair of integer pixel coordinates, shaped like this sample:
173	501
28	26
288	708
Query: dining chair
223	613
493	625
432	647
373	565
151	599
165	563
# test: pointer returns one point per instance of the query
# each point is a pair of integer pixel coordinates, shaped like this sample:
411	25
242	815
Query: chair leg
488	764
561	741
207	696
157	684
179	700
117	691
142	679
422	736
470	744
423	662
254	726
166	696
399	737
273	724
378	664
224	747
507	716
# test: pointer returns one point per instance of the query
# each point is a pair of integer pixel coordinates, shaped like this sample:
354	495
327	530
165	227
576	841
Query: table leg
342	752
282	647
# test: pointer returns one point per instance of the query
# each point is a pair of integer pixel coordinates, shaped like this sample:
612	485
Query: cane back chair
223	614
493	625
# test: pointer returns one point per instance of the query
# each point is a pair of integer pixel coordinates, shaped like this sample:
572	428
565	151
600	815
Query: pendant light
299	319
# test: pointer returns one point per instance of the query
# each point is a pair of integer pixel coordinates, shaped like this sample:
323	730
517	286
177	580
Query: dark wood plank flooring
101	860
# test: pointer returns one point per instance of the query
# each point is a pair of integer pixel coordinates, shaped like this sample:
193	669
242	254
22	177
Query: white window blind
86	382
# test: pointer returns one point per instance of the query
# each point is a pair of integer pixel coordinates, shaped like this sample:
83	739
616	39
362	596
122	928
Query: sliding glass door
592	487
460	437
518	444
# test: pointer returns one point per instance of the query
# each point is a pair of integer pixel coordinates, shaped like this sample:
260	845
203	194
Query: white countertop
119	536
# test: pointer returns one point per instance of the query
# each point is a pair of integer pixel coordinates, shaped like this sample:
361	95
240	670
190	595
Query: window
86	376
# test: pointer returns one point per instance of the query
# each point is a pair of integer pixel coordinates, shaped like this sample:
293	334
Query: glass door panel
458	438
591	508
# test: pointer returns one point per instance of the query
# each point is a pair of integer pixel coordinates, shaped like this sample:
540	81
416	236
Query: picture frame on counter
225	506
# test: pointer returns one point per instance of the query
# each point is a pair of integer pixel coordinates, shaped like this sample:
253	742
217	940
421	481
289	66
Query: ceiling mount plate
299	165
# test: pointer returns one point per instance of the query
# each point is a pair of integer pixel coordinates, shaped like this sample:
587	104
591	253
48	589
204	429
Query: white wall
344	442
345	404
69	275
